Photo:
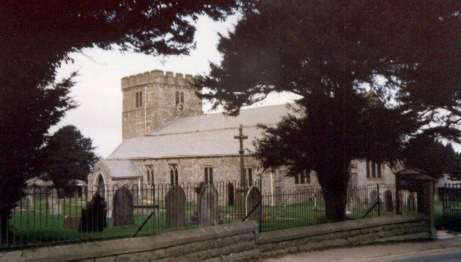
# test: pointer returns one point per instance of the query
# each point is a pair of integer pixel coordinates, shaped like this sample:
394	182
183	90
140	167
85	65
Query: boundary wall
235	242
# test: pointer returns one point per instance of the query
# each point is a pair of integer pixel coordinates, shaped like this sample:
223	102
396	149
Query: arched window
182	97
100	186
208	175
150	175
174	180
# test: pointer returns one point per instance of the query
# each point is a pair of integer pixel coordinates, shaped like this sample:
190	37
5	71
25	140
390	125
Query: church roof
203	135
120	168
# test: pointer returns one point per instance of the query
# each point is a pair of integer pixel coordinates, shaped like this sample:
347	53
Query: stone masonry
158	104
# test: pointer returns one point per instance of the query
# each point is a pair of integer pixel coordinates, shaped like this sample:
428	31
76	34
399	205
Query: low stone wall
221	243
349	233
233	242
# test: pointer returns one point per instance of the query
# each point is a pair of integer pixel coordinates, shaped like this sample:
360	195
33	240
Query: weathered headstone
175	207
53	202
253	203
30	201
373	197
123	207
93	218
135	193
208	206
389	205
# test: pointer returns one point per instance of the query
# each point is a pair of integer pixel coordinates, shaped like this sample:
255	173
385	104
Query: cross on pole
241	137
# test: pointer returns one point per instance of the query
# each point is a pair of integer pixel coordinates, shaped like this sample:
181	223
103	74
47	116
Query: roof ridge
204	130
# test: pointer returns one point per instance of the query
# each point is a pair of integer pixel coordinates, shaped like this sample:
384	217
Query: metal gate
450	196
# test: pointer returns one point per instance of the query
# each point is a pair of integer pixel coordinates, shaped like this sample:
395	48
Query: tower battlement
153	98
157	77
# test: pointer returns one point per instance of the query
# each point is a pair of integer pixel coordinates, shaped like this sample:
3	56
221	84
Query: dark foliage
433	157
94	215
331	53
37	36
69	155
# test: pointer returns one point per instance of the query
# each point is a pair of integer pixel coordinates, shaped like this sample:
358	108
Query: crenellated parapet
158	77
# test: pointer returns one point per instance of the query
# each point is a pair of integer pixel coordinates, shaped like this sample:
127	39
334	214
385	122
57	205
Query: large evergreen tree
68	156
433	157
37	36
331	53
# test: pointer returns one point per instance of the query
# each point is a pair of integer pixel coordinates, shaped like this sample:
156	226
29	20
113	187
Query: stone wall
218	243
191	170
158	90
342	234
235	242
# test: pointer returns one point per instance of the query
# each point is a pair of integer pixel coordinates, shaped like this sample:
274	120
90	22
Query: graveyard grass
39	226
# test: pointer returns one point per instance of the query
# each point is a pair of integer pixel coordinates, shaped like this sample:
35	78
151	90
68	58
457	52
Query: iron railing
45	216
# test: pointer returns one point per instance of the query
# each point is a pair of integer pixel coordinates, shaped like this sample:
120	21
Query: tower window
208	175
177	98
182	97
139	99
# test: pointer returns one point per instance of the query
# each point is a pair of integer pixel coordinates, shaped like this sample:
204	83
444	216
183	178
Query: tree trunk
335	205
334	181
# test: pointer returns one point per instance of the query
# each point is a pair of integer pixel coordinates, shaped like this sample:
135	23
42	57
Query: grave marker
175	207
53	202
208	206
123	207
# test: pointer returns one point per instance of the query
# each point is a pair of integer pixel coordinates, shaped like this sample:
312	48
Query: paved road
442	256
439	250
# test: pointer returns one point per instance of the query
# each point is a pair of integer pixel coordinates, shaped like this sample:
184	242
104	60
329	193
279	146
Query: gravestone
389	205
175	201
411	202
135	193
253	203
123	207
30	201
93	217
373	197
53	202
208	206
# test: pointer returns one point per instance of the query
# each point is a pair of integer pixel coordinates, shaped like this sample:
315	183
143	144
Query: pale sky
98	90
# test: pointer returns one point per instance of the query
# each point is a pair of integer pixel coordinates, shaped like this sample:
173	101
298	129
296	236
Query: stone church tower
154	98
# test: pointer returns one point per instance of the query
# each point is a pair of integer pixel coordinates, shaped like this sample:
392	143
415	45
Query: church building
168	139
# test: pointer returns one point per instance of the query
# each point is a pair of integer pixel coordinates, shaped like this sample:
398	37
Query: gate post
428	205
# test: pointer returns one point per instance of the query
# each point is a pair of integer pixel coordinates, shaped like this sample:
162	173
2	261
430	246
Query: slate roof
120	168
198	136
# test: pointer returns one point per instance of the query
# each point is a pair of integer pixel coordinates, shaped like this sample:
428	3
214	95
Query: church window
373	169
208	175
177	98
249	175
150	175
182	97
174	175
303	178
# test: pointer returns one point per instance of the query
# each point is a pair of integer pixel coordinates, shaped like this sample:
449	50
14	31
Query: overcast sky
98	92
